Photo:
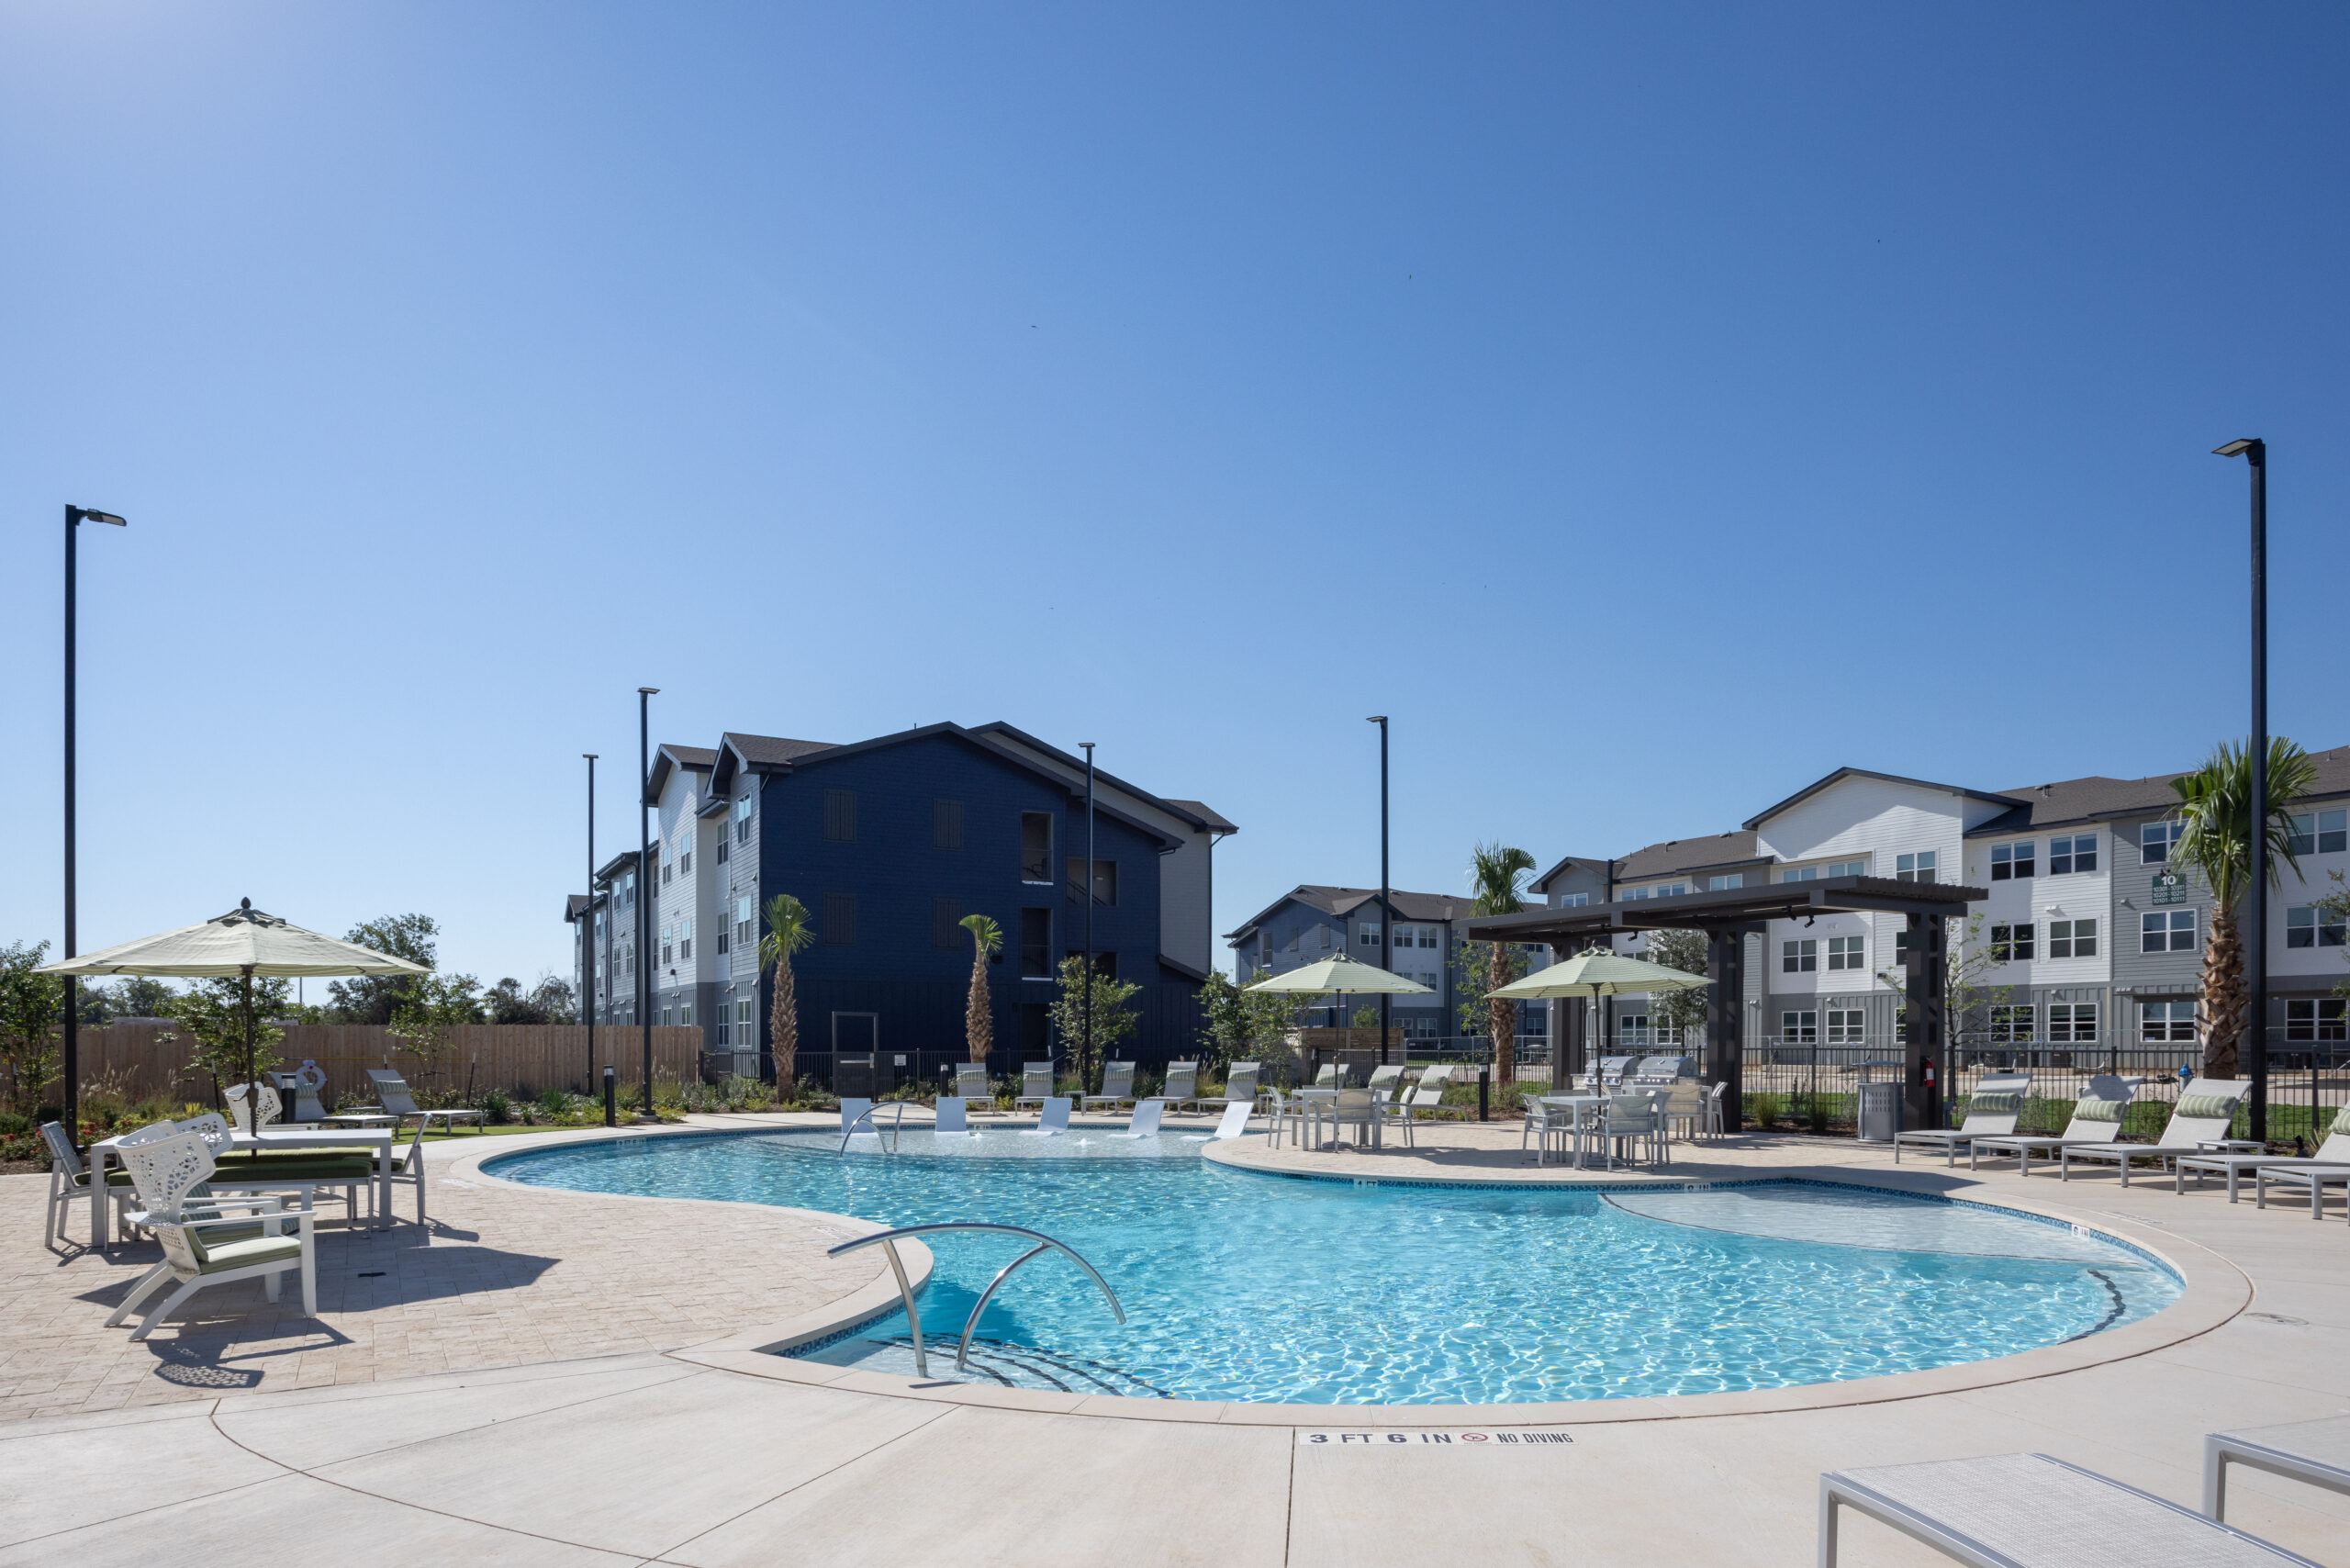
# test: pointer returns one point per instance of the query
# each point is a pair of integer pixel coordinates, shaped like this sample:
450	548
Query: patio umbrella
1596	974
1341	974
244	942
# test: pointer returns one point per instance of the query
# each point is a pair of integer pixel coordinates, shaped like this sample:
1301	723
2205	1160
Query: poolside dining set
234	1201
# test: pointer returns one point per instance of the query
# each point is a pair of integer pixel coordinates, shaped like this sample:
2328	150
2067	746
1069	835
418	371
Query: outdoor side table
2314	1451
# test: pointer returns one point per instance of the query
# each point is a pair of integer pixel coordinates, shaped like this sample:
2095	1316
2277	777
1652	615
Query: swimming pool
1244	1286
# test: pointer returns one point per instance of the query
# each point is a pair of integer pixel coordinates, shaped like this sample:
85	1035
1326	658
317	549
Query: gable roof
669	757
1208	816
1190	811
1687	855
2096	799
1541	884
575	905
1335	901
1808	790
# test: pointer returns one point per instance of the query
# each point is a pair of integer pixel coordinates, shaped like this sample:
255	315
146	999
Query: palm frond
1495	873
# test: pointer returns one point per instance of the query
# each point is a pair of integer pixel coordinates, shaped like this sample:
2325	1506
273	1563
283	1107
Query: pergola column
1725	1018
1925	1036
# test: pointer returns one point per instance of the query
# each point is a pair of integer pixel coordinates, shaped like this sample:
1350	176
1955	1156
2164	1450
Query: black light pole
1085	1060
75	517
2255	451
644	884
587	929
1386	915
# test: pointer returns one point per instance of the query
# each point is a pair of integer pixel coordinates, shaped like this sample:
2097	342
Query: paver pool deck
561	1377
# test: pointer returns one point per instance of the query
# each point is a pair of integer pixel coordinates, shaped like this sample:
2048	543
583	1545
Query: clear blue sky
1828	384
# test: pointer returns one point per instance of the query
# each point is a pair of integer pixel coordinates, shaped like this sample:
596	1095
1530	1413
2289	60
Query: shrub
496	1108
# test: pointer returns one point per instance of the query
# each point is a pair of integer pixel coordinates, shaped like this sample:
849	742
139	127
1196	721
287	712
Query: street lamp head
1376	719
2252	445
591	756
85	514
648	691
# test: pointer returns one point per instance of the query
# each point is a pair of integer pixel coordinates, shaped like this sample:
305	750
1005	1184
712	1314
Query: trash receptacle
1880	1111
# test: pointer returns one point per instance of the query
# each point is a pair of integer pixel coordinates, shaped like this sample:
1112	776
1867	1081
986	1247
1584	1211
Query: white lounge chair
2097	1117
1146	1120
1388	1076
2334	1151
1052	1121
1991	1112
2206	1109
2315	1451
1035	1084
951	1122
392	1093
1714	1128
207	1251
971	1082
1182	1086
69	1183
2315	1179
1239	1086
1425	1095
2028	1510
1117	1086
1235	1123
1439	1079
1329	1077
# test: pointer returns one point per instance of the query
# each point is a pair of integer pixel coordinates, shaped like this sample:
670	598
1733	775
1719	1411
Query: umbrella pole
252	1089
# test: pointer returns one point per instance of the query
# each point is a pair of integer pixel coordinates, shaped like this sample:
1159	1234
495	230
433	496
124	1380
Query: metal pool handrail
889	1239
866	1115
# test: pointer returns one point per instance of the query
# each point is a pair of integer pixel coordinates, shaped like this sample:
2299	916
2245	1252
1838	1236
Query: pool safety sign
1490	1441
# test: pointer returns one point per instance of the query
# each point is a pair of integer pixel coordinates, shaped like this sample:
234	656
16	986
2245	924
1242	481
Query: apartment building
1315	922
2088	935
890	843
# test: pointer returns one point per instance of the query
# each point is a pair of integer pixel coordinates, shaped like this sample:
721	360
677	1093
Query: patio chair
2206	1109
1387	1078
1626	1121
1714	1102
1438	1079
1991	1112
1239	1086
241	1107
1052	1121
1182	1086
971	1082
2316	1452
1117	1086
1425	1095
1329	1077
2096	1118
1684	1107
2028	1510
69	1183
1235	1123
2316	1178
2334	1151
1285	1113
200	1251
200	1202
1356	1108
1145	1123
1035	1084
392	1095
951	1122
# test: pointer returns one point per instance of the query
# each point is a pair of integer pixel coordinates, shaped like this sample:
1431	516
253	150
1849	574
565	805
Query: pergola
1727	916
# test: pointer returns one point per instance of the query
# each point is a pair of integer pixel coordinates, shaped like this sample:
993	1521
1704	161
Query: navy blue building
890	843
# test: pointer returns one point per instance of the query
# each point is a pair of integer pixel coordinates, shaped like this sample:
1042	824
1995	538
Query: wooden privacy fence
517	1057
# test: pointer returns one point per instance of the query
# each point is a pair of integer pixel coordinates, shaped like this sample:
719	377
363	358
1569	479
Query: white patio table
1321	1103
1580	1104
270	1139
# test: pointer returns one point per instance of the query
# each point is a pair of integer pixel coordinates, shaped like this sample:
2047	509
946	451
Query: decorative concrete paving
649	1458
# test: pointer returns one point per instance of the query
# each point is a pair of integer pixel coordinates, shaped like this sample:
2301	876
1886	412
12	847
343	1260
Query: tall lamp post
645	884
2255	451
1386	915
587	932
75	517
1085	1057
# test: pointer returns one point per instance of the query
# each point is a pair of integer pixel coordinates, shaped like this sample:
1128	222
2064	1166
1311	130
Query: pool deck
558	1377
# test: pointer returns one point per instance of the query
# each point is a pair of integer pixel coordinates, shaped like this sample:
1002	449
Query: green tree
1682	1010
1967	1001
435	1006
790	929
1365	1017
979	1018
1247	1026
1496	873
32	1034
2215	840
548	1002
212	1013
1113	1021
135	996
375	999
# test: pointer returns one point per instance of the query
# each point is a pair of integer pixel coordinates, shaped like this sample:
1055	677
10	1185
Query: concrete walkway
647	1457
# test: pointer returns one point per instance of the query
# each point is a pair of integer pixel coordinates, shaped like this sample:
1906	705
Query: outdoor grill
1664	1069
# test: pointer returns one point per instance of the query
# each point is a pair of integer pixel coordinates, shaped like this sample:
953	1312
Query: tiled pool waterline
1241	1286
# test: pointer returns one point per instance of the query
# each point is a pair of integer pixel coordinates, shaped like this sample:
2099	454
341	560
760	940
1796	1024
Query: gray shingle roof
772	748
1346	900
2097	798
1215	821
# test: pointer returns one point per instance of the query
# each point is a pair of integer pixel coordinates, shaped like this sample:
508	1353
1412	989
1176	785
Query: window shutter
945	923
840	817
946	824
840	920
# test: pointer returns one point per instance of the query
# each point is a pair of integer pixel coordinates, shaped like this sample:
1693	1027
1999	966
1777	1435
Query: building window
745	917
1848	868
722	846
2333	832
1917	868
668	944
743	1011
1366	935
686	937
947	931
1293	939
1575	900
685	856
1036	944
2072	938
1719	884
2320	1018
2167	931
946	824
840	920
2072	1023
743	820
2012	1026
668	866
1326	937
1035	846
1846	952
840	817
2314	926
685	1014
2077	852
2155	840
1800	874
2011	944
2166	1023
1428	937
2012	861
1105	884
1799	1028
1847	1026
1798	957
1671	889
1632	1031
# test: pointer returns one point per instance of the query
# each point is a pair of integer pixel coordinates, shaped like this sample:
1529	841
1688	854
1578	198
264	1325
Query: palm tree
1493	872
2215	839
791	928
979	1023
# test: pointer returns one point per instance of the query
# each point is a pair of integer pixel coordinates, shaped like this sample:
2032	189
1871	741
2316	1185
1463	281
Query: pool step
1025	1366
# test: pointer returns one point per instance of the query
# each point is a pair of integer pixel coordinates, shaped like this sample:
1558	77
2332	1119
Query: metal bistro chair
1629	1121
1356	1108
69	1183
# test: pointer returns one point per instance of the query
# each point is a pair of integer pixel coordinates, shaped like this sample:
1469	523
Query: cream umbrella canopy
1599	974
244	942
1341	974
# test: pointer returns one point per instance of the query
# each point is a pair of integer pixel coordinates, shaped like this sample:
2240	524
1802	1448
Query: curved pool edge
2212	1290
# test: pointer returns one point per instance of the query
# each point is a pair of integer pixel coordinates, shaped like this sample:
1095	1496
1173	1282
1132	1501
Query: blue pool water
1244	1286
